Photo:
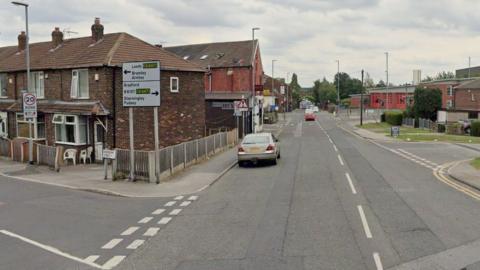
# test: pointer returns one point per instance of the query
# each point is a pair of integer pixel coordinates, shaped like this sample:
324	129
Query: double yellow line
440	175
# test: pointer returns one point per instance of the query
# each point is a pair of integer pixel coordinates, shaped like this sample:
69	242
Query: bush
440	128
454	129
382	117
394	118
475	129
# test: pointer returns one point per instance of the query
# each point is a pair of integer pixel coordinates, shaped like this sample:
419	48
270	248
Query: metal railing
48	155
172	158
408	122
425	123
5	147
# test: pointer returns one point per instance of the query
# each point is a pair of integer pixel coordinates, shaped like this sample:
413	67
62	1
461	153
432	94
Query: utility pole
253	77
338	86
273	76
361	102
469	66
386	90
288	92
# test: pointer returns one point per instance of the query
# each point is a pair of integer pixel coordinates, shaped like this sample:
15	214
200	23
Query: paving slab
464	172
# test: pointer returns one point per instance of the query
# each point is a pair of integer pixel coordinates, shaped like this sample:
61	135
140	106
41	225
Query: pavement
90	178
463	172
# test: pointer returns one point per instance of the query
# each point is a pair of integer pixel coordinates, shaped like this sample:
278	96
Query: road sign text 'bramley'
141	84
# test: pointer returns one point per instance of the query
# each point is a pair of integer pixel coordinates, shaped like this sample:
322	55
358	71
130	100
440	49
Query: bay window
70	129
79	88
3	85
38	127
37	85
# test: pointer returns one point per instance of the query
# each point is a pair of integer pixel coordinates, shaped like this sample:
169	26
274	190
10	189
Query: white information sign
109	154
141	84
29	105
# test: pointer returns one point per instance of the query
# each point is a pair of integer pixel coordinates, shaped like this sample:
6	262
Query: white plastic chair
86	154
70	154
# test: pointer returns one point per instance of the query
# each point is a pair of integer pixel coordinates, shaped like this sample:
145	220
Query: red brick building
467	98
229	77
447	87
393	98
78	83
276	96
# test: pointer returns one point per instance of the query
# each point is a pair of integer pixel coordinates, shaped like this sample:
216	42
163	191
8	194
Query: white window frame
76	128
450	91
34	129
75	85
3	124
171	84
3	86
449	103
37	87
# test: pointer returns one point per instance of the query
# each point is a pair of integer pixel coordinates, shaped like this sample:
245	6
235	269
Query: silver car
258	146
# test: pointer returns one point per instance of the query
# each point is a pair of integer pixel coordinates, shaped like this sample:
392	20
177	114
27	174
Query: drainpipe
114	110
209	78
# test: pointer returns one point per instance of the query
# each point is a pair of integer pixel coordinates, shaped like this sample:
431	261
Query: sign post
241	106
108	154
30	113
141	88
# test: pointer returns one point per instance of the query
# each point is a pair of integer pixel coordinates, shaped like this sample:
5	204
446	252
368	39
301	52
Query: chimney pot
97	30
22	41
57	37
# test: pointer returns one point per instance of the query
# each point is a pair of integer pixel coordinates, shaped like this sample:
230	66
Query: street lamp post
288	92
253	77
27	60
338	86
386	89
361	102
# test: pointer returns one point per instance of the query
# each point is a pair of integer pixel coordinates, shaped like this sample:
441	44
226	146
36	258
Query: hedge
475	129
454	129
394	118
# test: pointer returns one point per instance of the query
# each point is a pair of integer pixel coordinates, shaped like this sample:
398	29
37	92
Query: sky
306	37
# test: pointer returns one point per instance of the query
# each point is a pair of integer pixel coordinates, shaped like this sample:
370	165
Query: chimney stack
57	37
22	41
97	30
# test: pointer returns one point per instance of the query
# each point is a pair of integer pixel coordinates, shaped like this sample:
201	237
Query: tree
427	103
368	81
444	75
427	79
295	88
348	85
316	92
381	83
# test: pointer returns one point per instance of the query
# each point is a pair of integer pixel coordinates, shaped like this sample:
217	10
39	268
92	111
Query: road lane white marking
175	212
135	244
330	140
178	198
151	231
193	198
112	243
158	211
185	203
366	228
145	220
170	203
354	191
340	159
130	230
92	258
378	262
335	147
114	261
50	249
164	220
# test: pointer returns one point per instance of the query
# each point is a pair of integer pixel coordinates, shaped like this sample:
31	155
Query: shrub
382	117
454	129
440	128
394	118
475	129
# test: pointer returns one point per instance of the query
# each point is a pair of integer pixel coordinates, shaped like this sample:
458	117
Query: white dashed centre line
340	160
130	230
366	228
151	231
92	258
164	220
185	203
378	262
145	220
114	261
350	182
178	198
158	211
112	243
193	198
175	212
135	244
170	203
335	147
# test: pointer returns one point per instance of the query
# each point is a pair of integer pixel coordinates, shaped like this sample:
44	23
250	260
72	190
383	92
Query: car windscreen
256	140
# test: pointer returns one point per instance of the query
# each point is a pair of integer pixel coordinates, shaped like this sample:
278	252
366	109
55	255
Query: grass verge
476	163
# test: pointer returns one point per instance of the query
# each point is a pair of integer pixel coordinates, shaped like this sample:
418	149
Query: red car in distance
309	115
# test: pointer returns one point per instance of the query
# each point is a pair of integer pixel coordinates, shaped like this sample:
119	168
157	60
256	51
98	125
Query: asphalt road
306	213
334	201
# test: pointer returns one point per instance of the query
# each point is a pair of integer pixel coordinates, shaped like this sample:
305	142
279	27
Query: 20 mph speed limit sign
29	105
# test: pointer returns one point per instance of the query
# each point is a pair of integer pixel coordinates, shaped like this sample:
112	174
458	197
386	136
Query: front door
99	133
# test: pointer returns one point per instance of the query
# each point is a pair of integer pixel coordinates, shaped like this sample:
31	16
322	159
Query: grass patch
476	163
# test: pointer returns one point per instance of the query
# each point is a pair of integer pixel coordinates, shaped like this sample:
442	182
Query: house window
37	85
79	87
38	127
450	91
3	125
449	104
70	129
3	85
174	84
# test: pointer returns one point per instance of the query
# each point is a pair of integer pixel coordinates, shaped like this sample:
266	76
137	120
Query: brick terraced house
78	83
228	77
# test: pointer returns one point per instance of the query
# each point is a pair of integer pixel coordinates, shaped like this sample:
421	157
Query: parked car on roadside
258	147
315	109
